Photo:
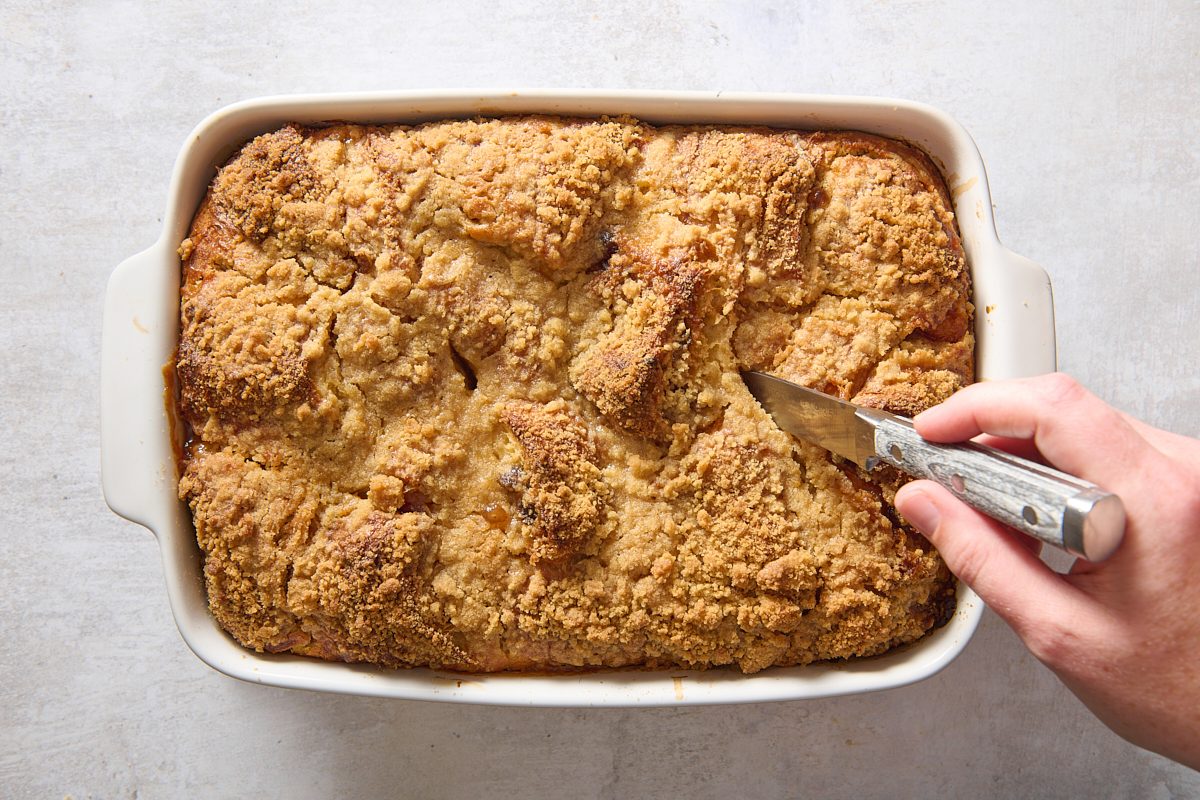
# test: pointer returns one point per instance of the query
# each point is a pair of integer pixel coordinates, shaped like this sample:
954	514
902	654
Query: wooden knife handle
1039	501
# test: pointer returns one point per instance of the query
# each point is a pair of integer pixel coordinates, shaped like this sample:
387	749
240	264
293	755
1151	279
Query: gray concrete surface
1086	116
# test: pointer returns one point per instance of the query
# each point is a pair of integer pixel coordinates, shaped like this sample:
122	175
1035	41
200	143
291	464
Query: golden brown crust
465	395
561	491
624	371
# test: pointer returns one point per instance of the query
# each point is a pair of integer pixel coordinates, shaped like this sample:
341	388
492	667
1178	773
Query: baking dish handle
1019	301
137	465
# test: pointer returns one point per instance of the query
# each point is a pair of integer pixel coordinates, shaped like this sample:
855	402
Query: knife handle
1036	500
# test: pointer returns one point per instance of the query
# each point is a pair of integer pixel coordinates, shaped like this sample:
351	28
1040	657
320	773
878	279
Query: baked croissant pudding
466	395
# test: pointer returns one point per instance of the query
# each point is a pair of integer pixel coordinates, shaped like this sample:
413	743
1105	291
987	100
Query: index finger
1073	429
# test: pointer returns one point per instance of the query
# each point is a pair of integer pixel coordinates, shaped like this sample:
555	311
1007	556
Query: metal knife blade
1039	501
823	420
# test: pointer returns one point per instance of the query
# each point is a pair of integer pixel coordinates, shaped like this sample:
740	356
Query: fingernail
920	511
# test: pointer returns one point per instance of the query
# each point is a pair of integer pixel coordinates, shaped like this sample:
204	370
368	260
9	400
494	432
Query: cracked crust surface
466	395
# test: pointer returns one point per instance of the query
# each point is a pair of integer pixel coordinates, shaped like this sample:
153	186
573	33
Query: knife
1052	506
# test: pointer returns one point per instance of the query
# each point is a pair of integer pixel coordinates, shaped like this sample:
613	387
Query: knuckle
1053	644
969	559
1060	389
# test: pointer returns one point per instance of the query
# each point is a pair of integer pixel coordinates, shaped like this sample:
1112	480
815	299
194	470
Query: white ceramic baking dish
1015	328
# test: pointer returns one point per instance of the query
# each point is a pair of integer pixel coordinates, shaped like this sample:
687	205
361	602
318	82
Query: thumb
989	558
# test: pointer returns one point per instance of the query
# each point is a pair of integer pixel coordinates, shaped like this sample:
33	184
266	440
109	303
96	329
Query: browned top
466	394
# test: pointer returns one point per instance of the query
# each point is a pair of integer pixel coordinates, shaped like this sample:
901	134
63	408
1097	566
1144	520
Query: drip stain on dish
963	187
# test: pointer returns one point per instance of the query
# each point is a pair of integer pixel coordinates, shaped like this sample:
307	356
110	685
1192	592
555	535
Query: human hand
1123	635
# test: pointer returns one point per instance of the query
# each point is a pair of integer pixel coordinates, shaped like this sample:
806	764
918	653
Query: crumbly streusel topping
466	394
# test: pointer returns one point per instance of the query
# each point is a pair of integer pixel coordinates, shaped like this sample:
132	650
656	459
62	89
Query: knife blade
1039	501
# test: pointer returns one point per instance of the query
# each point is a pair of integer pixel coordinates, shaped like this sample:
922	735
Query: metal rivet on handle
1030	515
957	483
896	452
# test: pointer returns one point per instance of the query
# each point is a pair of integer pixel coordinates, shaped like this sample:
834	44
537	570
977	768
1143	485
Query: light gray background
1086	116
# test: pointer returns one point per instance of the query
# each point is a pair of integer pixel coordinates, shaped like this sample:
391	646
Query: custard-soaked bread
466	394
